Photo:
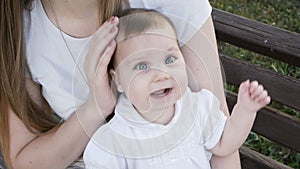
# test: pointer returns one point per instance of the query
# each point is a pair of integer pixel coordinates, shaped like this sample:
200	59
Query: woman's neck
76	8
78	18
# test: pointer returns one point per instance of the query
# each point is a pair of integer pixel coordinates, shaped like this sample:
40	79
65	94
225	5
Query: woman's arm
203	64
53	150
204	71
59	148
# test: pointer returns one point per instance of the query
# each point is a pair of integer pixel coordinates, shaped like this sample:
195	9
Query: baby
159	123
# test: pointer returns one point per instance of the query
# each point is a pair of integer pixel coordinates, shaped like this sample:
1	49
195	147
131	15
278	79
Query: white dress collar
129	115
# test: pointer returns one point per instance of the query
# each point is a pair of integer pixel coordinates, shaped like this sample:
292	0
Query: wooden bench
274	43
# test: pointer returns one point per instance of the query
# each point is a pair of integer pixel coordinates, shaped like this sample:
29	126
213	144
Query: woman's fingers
98	57
105	59
105	34
100	42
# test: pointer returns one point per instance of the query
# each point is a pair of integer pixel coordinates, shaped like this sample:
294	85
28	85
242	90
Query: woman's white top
134	143
62	75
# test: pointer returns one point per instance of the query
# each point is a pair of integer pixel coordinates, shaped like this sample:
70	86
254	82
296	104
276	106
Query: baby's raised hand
252	96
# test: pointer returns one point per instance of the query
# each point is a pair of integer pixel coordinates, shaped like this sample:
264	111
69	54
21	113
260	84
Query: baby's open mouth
161	92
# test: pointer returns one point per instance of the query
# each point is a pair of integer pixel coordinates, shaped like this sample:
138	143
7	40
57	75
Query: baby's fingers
263	102
256	92
244	86
253	86
266	100
263	95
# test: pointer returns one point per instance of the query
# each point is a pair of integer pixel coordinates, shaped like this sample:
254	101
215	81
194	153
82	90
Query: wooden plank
251	159
274	125
258	37
281	88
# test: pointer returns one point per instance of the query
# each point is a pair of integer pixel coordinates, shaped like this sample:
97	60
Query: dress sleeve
187	15
214	121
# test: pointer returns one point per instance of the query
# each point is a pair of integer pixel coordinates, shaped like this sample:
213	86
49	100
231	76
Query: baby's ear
115	79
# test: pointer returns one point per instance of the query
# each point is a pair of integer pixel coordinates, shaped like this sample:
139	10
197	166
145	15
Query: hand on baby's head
252	96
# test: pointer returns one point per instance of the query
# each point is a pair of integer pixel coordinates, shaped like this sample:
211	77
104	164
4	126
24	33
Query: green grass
273	150
284	14
280	13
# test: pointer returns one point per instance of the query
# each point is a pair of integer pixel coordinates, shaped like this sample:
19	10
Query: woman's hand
98	57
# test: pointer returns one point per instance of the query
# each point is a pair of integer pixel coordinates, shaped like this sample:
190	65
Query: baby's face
150	69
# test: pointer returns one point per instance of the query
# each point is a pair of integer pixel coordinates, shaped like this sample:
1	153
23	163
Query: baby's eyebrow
135	59
172	48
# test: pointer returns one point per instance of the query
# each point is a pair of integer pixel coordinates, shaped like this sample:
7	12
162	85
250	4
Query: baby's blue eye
170	59
142	66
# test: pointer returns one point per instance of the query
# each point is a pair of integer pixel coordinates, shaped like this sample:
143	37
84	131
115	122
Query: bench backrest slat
282	88
258	37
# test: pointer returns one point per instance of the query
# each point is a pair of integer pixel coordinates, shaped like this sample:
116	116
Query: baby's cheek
181	78
128	80
136	84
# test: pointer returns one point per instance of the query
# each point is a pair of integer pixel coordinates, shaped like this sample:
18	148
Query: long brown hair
110	8
13	94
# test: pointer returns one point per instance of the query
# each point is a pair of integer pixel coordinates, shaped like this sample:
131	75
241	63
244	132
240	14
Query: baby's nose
160	75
